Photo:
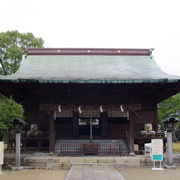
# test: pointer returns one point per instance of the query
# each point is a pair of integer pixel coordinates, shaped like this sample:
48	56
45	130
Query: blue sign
157	158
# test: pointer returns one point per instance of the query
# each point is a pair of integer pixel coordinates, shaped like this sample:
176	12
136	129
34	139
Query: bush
9	110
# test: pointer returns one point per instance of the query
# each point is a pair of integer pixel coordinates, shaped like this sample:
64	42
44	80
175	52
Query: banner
1	152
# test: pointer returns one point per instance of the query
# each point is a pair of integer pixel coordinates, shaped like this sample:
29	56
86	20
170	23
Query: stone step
48	162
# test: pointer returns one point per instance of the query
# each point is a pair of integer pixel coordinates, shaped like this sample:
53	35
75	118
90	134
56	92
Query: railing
149	135
26	135
141	138
33	141
110	149
100	149
70	149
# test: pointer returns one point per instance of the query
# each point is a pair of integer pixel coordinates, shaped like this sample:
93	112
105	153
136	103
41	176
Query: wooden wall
33	94
143	117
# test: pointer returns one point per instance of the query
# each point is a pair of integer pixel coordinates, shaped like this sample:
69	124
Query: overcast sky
100	24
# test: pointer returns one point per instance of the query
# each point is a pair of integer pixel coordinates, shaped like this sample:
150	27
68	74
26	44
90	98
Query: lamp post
169	125
18	126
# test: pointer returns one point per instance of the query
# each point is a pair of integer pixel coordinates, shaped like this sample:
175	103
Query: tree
168	107
9	110
11	49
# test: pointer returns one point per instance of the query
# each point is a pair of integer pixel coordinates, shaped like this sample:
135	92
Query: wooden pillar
75	124
39	145
51	132
24	145
155	120
104	124
131	134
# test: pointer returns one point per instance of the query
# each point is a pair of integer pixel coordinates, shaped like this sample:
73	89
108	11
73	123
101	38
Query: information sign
1	155
157	152
1	152
157	149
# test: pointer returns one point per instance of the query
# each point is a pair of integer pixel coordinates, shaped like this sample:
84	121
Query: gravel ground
142	173
34	175
149	174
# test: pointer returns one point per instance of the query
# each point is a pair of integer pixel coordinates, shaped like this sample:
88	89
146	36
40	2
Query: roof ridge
88	51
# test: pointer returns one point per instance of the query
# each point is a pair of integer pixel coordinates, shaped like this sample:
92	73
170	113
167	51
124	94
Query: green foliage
11	49
168	107
9	110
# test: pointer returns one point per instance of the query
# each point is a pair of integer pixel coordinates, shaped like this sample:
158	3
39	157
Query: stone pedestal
20	168
131	154
170	167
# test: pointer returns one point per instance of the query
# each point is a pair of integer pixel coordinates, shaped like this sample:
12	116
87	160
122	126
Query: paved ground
34	175
149	174
90	172
93	172
99	172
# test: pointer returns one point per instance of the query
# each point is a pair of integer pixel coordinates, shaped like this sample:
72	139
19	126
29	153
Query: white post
1	156
0	169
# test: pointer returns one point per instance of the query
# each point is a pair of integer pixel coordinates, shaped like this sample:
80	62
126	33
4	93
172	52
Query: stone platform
49	162
45	161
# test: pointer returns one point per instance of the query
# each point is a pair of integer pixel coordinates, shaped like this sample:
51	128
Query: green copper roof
89	69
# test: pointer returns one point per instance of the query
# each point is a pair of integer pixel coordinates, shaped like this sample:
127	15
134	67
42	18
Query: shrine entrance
85	127
67	127
89	123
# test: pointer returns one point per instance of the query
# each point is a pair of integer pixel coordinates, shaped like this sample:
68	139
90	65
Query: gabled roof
51	65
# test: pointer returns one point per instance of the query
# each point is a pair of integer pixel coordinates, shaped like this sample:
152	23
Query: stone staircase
122	142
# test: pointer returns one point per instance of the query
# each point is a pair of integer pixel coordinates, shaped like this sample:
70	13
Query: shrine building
86	96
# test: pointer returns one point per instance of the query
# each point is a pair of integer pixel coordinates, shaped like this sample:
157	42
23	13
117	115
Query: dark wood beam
51	132
131	133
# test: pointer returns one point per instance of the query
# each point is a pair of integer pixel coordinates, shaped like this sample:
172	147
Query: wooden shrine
63	90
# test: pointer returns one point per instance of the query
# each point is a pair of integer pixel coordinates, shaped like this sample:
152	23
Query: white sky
100	24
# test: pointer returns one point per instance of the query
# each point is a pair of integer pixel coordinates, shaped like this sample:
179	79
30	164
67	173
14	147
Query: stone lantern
169	124
18	126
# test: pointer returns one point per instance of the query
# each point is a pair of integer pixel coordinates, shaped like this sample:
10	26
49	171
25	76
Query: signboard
157	149
157	152
1	152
